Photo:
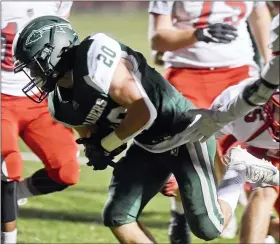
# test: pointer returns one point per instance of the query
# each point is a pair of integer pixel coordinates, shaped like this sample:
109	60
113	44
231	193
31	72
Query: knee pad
14	172
9	206
67	174
4	175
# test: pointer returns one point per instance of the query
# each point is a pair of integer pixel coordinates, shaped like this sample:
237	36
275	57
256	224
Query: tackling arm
256	93
259	92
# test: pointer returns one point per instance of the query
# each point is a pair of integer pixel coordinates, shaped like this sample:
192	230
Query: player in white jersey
203	58
207	46
260	130
255	93
51	142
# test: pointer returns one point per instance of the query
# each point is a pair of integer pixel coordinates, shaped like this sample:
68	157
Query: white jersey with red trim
197	14
14	15
247	126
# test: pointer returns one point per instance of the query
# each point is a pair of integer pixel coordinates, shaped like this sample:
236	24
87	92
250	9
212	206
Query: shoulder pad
98	57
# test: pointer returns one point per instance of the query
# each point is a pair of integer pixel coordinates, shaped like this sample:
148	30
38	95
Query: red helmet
270	110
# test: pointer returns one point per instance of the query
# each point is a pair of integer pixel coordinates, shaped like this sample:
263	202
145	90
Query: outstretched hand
204	125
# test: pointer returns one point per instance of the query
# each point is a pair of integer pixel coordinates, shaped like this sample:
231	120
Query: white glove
204	125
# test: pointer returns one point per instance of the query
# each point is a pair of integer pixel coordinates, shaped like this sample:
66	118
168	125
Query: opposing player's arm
259	92
259	22
164	37
254	94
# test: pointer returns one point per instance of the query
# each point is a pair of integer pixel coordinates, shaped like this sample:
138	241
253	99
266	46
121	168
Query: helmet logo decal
38	34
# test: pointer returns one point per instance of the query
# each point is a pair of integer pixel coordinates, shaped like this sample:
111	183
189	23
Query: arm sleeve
224	98
161	7
103	56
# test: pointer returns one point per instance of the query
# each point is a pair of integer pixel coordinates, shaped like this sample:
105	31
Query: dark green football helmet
45	47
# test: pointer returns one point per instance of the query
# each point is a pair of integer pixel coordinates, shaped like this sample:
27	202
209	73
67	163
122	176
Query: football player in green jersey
108	86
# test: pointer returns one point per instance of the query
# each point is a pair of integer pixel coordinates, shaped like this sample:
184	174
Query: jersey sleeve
103	56
259	4
224	98
161	7
63	8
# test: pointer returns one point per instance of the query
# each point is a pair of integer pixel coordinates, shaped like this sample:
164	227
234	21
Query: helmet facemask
37	71
46	66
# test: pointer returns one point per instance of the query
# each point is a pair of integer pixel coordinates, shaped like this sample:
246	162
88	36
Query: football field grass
74	215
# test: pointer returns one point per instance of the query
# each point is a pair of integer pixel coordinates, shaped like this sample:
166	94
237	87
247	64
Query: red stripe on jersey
276	53
204	15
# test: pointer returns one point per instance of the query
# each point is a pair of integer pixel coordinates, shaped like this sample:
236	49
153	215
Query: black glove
218	33
98	157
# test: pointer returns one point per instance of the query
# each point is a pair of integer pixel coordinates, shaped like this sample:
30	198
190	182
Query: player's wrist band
111	142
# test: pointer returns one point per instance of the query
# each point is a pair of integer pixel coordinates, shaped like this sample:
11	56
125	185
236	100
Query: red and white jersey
198	14
14	15
245	128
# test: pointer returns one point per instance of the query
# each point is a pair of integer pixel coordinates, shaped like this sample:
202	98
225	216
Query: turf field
74	216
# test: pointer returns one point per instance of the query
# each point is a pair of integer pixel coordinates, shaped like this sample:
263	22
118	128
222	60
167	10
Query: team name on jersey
95	112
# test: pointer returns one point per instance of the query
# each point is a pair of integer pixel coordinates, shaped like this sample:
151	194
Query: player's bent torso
88	102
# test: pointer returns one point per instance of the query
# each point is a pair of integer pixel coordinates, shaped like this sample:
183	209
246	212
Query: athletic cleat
257	170
178	231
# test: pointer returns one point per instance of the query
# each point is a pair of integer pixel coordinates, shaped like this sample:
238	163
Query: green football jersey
88	102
